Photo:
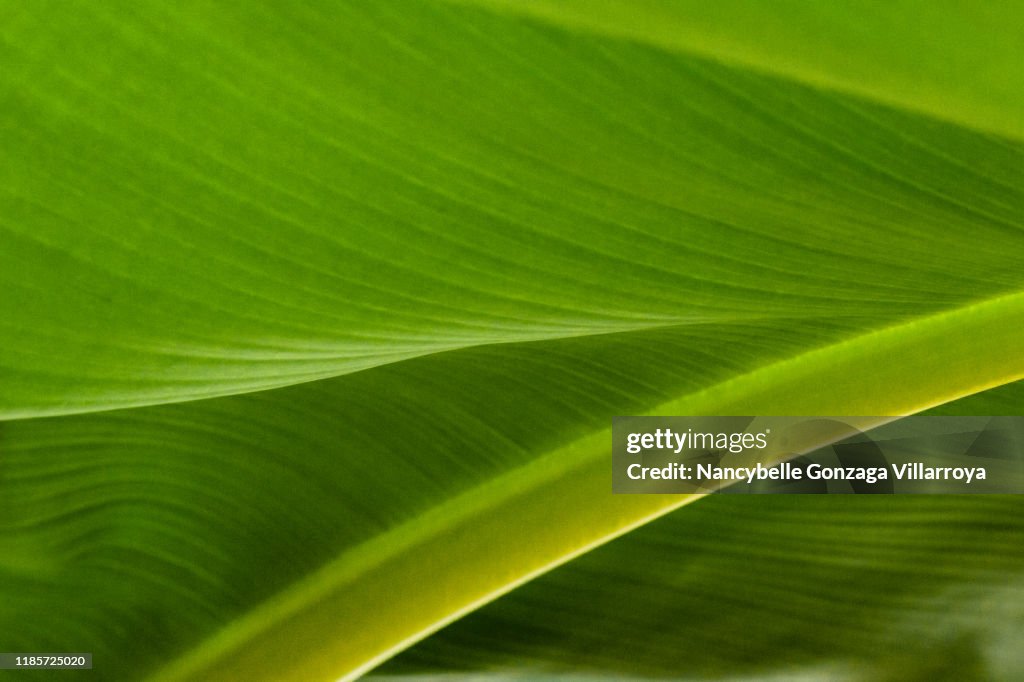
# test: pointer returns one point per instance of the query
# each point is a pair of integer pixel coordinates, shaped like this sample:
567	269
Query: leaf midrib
331	596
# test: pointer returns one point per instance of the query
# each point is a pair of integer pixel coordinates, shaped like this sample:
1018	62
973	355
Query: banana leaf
314	315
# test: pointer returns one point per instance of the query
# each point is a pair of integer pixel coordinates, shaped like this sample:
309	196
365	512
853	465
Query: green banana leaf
202	200
950	60
315	314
